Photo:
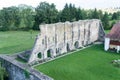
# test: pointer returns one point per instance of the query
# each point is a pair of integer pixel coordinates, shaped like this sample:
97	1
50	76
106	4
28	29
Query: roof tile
115	32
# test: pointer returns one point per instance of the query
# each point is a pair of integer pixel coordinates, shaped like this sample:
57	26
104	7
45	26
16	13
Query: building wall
59	38
113	46
20	71
110	44
106	44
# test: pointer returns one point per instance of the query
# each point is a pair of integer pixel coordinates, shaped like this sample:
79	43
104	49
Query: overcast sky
60	3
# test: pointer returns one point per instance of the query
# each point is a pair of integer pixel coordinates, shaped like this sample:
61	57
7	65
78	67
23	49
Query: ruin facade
56	39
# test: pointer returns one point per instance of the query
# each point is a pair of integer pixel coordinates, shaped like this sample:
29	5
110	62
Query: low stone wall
20	71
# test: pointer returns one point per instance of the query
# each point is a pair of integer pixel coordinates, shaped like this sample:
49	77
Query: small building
112	40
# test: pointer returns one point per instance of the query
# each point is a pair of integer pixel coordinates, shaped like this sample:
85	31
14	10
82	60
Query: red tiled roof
115	32
114	42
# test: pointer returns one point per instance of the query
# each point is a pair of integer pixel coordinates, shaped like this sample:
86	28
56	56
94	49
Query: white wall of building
106	44
118	49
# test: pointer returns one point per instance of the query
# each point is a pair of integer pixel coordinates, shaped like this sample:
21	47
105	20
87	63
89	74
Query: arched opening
68	47
76	45
40	55
49	53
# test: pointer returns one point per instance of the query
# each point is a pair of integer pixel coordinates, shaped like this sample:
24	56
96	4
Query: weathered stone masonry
58	38
17	70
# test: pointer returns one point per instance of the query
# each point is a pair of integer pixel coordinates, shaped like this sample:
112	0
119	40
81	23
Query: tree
59	16
79	14
65	14
105	21
118	15
100	14
95	14
14	18
84	14
115	16
3	73
26	14
26	17
72	12
6	19
0	19
45	13
3	20
68	13
9	18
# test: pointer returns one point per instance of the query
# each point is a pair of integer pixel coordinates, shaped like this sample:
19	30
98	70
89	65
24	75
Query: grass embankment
89	64
16	41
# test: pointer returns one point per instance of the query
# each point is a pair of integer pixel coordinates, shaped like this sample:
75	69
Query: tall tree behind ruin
105	20
26	14
45	13
9	18
16	18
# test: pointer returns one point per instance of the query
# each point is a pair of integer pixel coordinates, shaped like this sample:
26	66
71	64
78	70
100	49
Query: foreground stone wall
59	38
19	71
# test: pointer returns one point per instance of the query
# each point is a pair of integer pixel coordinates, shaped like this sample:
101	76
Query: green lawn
107	31
16	41
89	64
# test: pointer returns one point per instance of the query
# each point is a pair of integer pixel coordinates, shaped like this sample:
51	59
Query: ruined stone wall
59	38
19	71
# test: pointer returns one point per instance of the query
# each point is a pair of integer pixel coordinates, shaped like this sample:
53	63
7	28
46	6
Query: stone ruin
56	39
53	40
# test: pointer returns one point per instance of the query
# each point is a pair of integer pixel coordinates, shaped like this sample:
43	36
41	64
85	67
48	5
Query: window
39	55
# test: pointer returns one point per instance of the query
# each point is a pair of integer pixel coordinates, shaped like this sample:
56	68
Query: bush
116	63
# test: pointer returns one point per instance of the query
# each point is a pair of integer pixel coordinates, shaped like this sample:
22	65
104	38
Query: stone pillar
118	49
45	54
65	48
42	55
106	44
54	52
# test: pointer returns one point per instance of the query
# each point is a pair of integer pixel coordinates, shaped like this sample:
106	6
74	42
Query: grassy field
89	64
107	31
16	41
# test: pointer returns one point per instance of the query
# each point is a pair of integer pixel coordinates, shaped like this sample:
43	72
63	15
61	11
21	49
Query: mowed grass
16	41
107	31
92	63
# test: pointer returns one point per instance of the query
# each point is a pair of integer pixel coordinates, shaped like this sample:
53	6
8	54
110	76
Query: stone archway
39	55
68	47
49	53
76	44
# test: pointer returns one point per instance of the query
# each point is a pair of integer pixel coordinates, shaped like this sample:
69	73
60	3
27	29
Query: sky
87	4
